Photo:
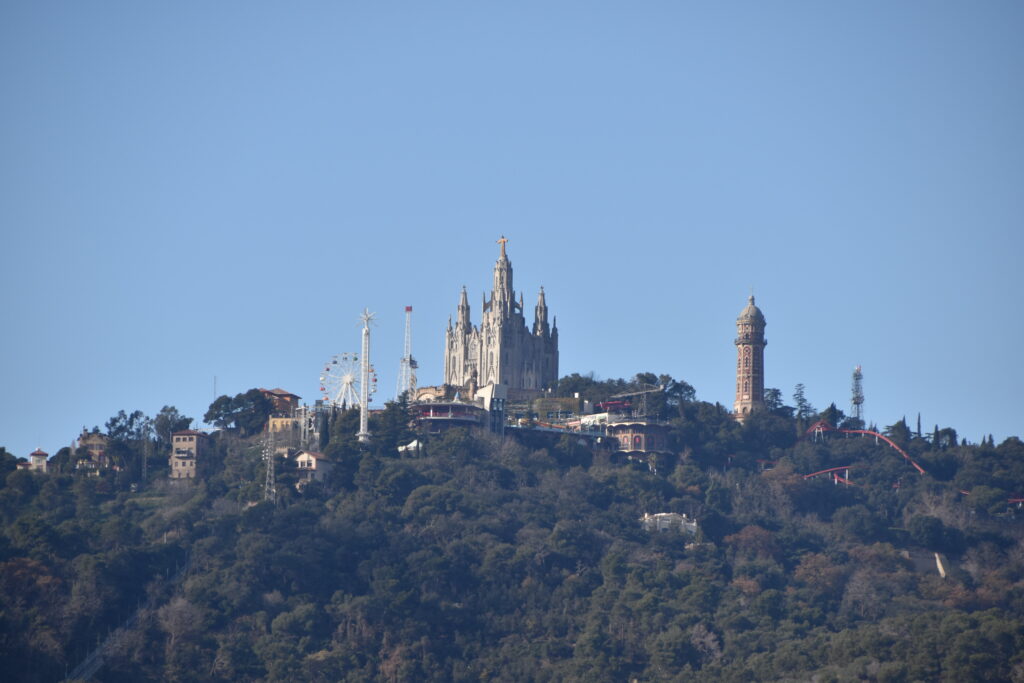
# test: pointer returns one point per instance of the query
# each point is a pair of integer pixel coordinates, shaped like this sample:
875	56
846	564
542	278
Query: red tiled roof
315	456
280	392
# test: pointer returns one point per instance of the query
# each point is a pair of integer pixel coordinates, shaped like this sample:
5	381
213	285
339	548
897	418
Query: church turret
540	320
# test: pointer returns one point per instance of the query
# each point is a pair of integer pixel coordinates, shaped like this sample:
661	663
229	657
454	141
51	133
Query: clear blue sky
201	189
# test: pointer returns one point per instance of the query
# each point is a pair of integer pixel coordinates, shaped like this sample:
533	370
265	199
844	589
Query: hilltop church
503	350
521	363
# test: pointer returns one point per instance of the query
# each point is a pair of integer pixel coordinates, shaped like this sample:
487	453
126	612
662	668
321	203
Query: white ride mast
365	380
407	370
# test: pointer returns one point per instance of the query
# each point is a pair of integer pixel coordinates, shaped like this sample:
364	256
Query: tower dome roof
751	312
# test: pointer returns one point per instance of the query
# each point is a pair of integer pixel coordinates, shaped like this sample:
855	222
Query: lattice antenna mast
857	400
269	482
365	380
307	426
407	370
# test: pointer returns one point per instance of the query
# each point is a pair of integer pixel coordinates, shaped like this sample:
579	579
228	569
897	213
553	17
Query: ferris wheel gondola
340	381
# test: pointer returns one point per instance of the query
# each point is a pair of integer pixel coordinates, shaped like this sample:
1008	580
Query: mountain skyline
196	192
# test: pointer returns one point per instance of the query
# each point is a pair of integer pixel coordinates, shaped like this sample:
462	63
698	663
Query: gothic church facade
502	350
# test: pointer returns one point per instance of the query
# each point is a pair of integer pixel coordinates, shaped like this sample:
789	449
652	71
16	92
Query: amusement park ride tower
407	369
750	343
365	371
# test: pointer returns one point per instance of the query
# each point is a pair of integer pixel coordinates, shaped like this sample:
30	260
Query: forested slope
487	559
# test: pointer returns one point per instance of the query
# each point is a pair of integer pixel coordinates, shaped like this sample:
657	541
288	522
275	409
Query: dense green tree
133	427
248	412
220	412
168	421
8	463
804	409
832	415
774	404
899	432
493	558
390	427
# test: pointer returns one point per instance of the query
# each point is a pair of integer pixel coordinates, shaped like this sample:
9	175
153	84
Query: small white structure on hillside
669	521
414	447
37	460
312	467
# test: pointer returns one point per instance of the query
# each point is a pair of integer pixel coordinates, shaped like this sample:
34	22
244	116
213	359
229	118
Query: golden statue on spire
502	242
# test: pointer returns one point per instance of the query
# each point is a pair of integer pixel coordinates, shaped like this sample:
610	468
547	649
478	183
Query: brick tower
750	343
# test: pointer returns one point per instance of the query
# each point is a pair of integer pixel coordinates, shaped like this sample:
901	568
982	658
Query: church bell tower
750	343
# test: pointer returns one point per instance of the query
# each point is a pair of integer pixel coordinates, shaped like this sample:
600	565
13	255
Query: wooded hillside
483	558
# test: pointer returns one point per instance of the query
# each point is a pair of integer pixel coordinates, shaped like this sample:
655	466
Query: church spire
463	320
503	296
540	320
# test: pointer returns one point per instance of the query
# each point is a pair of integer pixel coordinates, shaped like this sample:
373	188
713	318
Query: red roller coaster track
834	475
822	426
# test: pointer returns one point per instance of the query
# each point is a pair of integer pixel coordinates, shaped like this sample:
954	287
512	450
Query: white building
37	460
312	467
669	521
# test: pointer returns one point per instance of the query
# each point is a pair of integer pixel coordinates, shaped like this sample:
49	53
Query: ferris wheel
340	381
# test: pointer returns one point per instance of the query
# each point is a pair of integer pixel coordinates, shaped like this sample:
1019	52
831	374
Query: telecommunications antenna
857	398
